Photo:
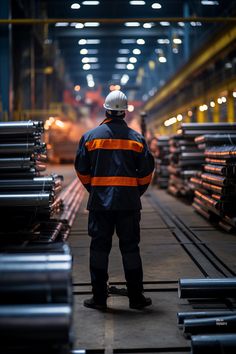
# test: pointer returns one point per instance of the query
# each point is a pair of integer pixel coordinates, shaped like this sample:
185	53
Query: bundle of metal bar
218	324
22	148
207	288
217	344
181	316
162	161
217	139
38	324
21	128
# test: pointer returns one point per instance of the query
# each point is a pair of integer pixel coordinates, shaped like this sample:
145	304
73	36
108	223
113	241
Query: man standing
115	166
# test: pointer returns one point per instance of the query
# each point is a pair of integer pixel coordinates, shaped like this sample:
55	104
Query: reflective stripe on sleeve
85	179
145	180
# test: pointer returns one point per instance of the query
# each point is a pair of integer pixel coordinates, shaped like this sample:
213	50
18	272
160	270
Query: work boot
140	302
92	304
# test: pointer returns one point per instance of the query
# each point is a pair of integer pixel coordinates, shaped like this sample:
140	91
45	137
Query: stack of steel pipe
209	329
36	298
216	186
26	196
185	162
162	162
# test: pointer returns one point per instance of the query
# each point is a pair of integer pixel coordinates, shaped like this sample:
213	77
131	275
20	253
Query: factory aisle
167	256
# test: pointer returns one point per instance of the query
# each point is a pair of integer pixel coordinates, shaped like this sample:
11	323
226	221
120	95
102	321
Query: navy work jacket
115	166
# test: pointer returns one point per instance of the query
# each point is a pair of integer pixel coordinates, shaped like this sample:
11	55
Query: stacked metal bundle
210	331
25	196
185	162
36	299
162	162
216	186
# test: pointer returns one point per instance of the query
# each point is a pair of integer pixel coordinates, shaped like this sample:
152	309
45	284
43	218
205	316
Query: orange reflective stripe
114	144
107	120
85	179
145	180
114	181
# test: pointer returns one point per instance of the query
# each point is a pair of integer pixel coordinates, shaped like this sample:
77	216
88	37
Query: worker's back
113	162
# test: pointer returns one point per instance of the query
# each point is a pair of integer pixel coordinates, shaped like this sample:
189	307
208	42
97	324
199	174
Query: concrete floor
164	260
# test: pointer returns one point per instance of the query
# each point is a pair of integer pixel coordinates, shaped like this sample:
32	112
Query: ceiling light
132	24
175	50
206	2
86	66
136	51
84	51
122	59
228	65
128	41
77	88
90	2
91	84
212	104
94	66
124	79
148	25
82	42
124	51
61	24
194	24
162	59
75	6
140	41
133	60
137	2
181	24
93	41
163	41
89	60
234	94
156	6
79	25
219	100
179	117
223	99
130	108
130	66
164	23
120	66
177	40
92	24
73	24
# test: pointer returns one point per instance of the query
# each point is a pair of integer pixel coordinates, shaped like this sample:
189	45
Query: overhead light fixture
148	25
223	99
219	100
75	6
162	59
137	2
61	24
136	51
77	88
133	60
156	6
86	66
165	23
79	25
206	2
124	79
179	117
130	66
163	41
132	24
124	51
195	24
140	41
120	66
128	41
170	121
130	108
82	42
91	2
177	41
84	51
181	24
88	41
92	24
175	50
89	60
122	59
212	104
234	94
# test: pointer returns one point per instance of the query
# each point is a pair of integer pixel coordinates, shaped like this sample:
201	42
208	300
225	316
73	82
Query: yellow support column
230	108
216	112
201	116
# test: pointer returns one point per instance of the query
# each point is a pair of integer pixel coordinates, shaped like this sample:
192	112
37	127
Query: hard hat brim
115	109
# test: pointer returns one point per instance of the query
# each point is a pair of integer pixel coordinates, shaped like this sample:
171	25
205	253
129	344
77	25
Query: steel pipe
207	288
25	199
215	344
21	127
181	316
221	324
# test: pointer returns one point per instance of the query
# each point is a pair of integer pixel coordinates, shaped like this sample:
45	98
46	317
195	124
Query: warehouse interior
176	62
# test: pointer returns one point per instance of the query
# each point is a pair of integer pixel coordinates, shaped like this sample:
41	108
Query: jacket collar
114	120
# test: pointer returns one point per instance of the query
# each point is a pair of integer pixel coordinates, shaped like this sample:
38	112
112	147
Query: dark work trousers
101	227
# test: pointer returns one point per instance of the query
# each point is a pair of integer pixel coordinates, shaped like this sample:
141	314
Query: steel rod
217	344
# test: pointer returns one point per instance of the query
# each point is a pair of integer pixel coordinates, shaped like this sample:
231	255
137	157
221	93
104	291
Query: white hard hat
116	101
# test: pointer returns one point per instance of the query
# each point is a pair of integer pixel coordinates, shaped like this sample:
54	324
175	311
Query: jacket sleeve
145	168
82	164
